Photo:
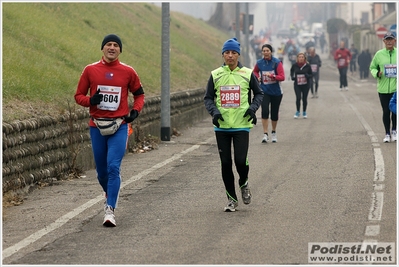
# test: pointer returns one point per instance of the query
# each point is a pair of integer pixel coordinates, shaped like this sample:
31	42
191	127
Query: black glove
133	115
96	98
216	119
378	72
252	115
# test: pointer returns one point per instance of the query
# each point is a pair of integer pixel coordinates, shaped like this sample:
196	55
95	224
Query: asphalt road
329	178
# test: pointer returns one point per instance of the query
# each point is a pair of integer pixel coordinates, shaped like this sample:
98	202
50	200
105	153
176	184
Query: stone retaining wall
44	149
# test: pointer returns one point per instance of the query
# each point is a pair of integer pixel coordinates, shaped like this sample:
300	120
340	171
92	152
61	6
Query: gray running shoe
109	217
246	194
231	206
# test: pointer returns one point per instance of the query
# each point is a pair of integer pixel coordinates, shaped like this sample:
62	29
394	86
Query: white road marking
70	215
366	126
379	173
377	197
53	226
377	201
369	242
372	230
379	187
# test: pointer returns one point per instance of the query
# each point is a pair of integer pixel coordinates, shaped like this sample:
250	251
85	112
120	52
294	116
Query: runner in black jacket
315	63
301	74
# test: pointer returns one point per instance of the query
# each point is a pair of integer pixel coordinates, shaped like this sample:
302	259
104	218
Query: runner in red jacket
108	83
343	57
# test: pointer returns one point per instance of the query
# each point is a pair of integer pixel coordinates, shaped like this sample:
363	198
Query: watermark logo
351	252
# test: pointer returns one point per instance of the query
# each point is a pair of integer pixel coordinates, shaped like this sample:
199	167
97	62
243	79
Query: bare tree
223	16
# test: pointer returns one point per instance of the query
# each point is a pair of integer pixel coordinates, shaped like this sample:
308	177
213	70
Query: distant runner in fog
315	63
343	57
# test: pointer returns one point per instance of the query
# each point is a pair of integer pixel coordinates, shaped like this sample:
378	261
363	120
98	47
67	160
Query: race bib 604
111	97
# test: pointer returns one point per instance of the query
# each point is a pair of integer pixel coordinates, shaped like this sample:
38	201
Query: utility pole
246	42
165	79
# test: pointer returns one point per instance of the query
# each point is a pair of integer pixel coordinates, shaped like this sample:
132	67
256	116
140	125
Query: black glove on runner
96	98
133	115
252	116
216	119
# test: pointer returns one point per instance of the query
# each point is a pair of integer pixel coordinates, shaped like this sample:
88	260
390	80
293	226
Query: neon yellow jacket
229	94
384	60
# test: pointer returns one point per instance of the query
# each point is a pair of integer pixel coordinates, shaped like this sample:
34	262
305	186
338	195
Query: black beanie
111	38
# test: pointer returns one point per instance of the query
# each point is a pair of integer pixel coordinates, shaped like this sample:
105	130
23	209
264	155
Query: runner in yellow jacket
228	99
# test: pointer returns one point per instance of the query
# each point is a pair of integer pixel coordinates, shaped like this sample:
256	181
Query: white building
355	13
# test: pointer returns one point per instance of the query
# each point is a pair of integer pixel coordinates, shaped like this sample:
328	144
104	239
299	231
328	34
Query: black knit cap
112	38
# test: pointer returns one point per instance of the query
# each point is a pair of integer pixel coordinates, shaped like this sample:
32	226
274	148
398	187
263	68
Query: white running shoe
346	88
231	206
387	138
109	217
274	137
393	137
265	138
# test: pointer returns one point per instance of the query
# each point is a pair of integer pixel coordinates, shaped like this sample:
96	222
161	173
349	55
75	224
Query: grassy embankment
47	45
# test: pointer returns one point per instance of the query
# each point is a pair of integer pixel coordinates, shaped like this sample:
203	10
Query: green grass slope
47	45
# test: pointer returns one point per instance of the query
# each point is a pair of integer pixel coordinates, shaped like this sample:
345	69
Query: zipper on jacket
390	62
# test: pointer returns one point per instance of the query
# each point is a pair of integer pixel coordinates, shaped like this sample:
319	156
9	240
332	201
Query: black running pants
301	93
386	113
343	79
272	101
314	83
240	141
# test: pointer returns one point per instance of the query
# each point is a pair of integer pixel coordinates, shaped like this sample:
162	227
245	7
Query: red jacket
342	57
115	80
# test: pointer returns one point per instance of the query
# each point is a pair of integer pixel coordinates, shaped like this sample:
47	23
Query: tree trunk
224	16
